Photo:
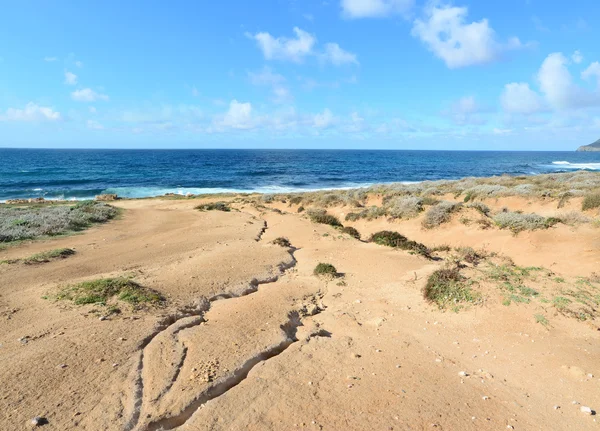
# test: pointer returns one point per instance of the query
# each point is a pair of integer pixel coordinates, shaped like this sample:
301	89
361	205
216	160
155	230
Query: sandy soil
250	339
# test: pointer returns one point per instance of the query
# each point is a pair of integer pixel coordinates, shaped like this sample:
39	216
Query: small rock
378	350
556	407
312	309
510	427
358	301
102	318
115	364
587	410
397	365
62	366
590	376
485	397
462	374
575	402
38	421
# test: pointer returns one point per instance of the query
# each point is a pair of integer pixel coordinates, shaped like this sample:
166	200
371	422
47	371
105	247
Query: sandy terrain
250	339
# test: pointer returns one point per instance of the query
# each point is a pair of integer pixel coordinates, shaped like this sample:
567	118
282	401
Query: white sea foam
576	166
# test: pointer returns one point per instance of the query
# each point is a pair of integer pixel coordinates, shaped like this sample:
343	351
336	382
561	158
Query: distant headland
591	147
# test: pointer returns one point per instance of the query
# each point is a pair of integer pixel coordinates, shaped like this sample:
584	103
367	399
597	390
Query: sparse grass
479	206
470	255
518	222
214	206
440	213
442	248
404	207
397	240
47	256
349	230
102	290
282	242
541	319
34	221
447	287
325	270
591	201
561	303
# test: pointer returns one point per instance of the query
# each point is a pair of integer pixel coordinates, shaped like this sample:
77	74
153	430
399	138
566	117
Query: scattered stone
24	339
310	383
485	397
378	350
587	410
590	376
575	402
102	318
62	366
358	301
312	309
510	427
107	197
397	365
38	421
556	407
115	364
463	374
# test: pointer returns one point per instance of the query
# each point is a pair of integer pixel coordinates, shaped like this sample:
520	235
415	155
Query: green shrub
300	209
101	290
214	206
397	240
351	231
448	287
325	269
295	200
20	223
404	207
470	255
440	213
47	256
324	218
352	217
480	206
591	201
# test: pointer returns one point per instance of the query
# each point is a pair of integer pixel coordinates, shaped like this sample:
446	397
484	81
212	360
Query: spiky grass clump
214	206
30	222
47	256
591	202
325	270
397	240
447	286
282	242
440	213
102	290
481	207
349	230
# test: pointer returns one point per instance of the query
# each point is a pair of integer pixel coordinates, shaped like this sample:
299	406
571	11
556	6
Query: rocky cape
591	147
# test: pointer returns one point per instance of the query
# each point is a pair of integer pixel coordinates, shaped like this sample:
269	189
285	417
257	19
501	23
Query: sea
78	174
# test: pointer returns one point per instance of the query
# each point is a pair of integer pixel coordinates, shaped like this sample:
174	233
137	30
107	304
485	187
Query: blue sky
390	74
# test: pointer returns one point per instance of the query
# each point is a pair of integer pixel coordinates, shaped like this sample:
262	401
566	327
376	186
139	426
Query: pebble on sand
587	410
38	421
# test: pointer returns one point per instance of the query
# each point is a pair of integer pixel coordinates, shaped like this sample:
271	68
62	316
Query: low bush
352	217
440	213
349	230
214	206
282	242
397	240
591	202
325	269
20	223
518	222
404	207
47	256
101	290
447	286
479	206
324	218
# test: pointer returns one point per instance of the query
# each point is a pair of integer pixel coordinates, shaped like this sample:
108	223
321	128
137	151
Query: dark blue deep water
80	174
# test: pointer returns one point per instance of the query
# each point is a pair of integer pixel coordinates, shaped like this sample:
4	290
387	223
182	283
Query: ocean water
81	174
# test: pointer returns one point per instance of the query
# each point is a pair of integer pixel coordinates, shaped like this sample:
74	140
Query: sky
373	74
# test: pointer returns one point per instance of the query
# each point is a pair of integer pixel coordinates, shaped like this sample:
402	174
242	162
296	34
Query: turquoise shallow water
81	174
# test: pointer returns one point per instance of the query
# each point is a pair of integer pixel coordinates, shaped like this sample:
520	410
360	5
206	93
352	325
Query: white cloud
337	56
195	92
518	98
558	87
323	120
70	78
87	95
375	8
94	125
276	81
79	64
50	59
458	43
92	109
31	112
593	70
577	57
239	116
466	111
283	48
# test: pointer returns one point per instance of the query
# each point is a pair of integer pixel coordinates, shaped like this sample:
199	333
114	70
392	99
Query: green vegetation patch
518	222
447	287
30	222
46	256
397	240
214	206
321	217
325	269
102	290
591	202
349	230
440	213
282	242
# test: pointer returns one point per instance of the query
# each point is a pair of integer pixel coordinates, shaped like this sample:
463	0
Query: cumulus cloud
282	48
87	95
593	70
466	111
300	47
31	112
458	43
337	56
70	78
556	82
238	116
323	120
577	57
518	98
267	77
375	8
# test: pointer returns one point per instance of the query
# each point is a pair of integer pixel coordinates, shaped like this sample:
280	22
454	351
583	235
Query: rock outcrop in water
591	147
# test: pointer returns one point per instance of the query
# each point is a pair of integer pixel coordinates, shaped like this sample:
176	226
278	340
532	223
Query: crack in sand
239	375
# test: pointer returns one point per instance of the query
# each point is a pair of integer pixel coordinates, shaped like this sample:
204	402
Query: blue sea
82	174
